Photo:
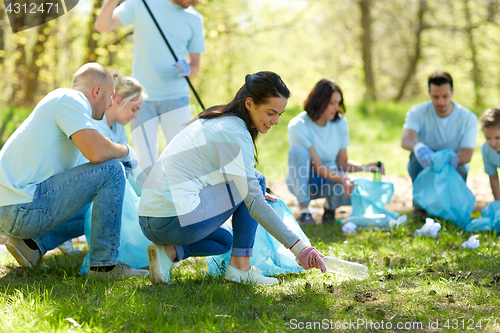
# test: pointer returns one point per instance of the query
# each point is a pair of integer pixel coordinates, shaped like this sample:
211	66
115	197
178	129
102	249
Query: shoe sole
249	282
155	275
18	255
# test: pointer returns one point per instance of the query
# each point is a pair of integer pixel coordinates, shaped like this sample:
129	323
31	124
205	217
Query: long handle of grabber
173	53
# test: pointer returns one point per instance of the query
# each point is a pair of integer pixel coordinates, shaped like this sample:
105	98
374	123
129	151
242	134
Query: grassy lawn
422	285
412	282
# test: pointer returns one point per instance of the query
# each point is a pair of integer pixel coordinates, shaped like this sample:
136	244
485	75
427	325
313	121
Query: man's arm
464	155
194	63
495	187
96	148
107	20
409	140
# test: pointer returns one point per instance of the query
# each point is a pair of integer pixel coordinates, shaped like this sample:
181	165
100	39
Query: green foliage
10	119
411	280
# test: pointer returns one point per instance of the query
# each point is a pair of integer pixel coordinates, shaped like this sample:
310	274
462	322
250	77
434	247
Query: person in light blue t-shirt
45	194
127	101
206	175
439	124
317	159
490	123
154	66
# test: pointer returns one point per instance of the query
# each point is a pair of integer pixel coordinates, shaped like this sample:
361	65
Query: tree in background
373	49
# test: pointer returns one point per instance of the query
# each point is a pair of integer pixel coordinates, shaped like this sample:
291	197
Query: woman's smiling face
265	115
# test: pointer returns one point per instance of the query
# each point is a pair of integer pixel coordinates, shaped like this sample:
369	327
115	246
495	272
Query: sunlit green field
428	285
420	285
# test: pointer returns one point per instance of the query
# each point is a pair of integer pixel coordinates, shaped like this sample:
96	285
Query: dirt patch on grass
401	200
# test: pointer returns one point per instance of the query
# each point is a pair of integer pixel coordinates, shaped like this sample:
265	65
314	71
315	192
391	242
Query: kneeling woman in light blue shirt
206	175
317	160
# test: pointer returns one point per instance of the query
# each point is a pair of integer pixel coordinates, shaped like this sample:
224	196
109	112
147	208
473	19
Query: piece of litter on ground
430	229
472	243
398	222
349	227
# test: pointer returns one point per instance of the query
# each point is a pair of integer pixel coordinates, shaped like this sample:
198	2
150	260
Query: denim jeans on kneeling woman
57	212
306	185
210	236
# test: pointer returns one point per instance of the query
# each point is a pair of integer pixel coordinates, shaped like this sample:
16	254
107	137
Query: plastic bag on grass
441	191
368	201
490	220
133	243
269	255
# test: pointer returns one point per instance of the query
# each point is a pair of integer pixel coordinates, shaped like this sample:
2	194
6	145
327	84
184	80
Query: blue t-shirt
41	147
116	133
491	159
153	63
457	130
326	140
198	156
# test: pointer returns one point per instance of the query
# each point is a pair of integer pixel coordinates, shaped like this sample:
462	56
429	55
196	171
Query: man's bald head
97	84
90	75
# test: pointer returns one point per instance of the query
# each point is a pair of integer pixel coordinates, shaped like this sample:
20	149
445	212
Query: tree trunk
3	27
476	71
33	68
91	56
412	66
18	75
117	41
366	41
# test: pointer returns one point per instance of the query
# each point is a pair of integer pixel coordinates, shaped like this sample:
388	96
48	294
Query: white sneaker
252	276
159	264
68	248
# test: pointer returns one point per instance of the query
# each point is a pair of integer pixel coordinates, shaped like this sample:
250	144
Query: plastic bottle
351	269
367	220
377	176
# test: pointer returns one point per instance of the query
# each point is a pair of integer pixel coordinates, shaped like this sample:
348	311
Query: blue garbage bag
490	219
371	197
269	255
441	191
133	243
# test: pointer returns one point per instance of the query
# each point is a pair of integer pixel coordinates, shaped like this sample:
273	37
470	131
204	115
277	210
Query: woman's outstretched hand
309	258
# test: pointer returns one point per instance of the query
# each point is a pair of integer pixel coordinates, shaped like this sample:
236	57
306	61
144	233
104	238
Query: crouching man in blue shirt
436	125
44	195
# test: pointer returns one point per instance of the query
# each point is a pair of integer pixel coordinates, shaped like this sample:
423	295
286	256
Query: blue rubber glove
130	162
454	160
423	154
182	68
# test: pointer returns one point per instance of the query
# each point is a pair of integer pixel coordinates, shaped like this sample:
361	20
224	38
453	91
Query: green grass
411	280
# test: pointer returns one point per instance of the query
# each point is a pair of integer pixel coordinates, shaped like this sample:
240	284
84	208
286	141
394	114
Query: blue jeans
414	168
306	185
57	212
210	236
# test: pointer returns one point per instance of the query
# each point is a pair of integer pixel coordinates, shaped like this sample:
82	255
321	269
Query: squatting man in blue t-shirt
439	124
45	194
